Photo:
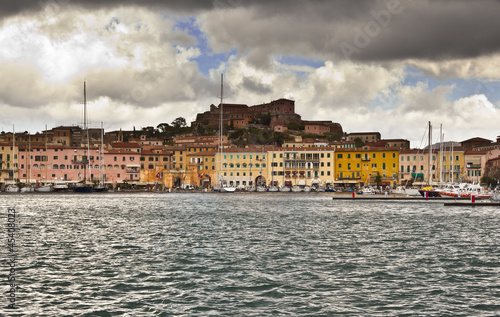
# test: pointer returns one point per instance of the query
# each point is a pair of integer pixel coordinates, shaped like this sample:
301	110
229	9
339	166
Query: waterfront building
476	163
301	166
242	167
8	162
366	166
453	164
413	167
156	161
68	164
202	168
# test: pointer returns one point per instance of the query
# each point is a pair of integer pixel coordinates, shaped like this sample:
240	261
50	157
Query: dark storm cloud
8	8
364	30
360	30
255	86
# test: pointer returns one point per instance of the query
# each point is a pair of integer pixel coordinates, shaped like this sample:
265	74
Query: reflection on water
252	255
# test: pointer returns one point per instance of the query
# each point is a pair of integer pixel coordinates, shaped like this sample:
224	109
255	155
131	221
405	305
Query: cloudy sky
388	66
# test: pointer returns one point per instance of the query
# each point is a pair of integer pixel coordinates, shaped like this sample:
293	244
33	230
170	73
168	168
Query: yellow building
155	164
187	165
8	163
202	167
362	166
242	167
301	166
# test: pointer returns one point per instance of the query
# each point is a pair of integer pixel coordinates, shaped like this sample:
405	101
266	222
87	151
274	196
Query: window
339	156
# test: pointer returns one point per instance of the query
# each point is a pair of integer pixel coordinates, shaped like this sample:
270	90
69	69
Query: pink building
66	163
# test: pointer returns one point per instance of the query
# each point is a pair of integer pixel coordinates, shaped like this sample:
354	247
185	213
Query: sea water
270	254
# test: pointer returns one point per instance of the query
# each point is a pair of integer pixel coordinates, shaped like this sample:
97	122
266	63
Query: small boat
296	189
60	186
82	188
261	189
12	189
273	189
44	189
368	191
227	189
284	189
100	189
306	189
429	192
28	189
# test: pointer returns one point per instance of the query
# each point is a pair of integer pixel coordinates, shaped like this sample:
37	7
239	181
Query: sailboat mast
46	157
28	159
441	148
221	123
85	127
430	154
13	154
101	155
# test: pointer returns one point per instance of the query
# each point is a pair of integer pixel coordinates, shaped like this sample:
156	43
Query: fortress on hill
277	115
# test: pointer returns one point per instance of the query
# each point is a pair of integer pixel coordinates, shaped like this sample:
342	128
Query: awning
302	182
328	181
315	181
346	182
134	165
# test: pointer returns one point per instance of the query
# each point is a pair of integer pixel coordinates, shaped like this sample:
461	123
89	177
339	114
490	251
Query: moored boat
60	186
429	192
44	189
12	188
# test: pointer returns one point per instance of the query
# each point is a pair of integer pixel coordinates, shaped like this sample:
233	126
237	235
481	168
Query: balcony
365	159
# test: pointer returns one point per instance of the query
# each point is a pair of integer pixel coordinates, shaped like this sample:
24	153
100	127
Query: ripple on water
253	255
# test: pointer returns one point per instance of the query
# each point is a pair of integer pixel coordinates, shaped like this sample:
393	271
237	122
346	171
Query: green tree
163	127
378	179
358	142
180	122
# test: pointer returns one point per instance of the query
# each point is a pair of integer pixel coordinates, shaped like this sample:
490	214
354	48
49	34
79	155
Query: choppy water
250	255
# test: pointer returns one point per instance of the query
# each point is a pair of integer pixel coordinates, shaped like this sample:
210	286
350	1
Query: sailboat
222	186
84	187
429	190
28	188
12	188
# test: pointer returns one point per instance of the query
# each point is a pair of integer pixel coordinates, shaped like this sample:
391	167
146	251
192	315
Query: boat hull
429	193
83	189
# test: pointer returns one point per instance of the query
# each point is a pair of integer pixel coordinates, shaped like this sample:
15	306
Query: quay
400	198
470	204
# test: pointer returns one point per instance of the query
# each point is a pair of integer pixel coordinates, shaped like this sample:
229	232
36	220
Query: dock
398	198
476	204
